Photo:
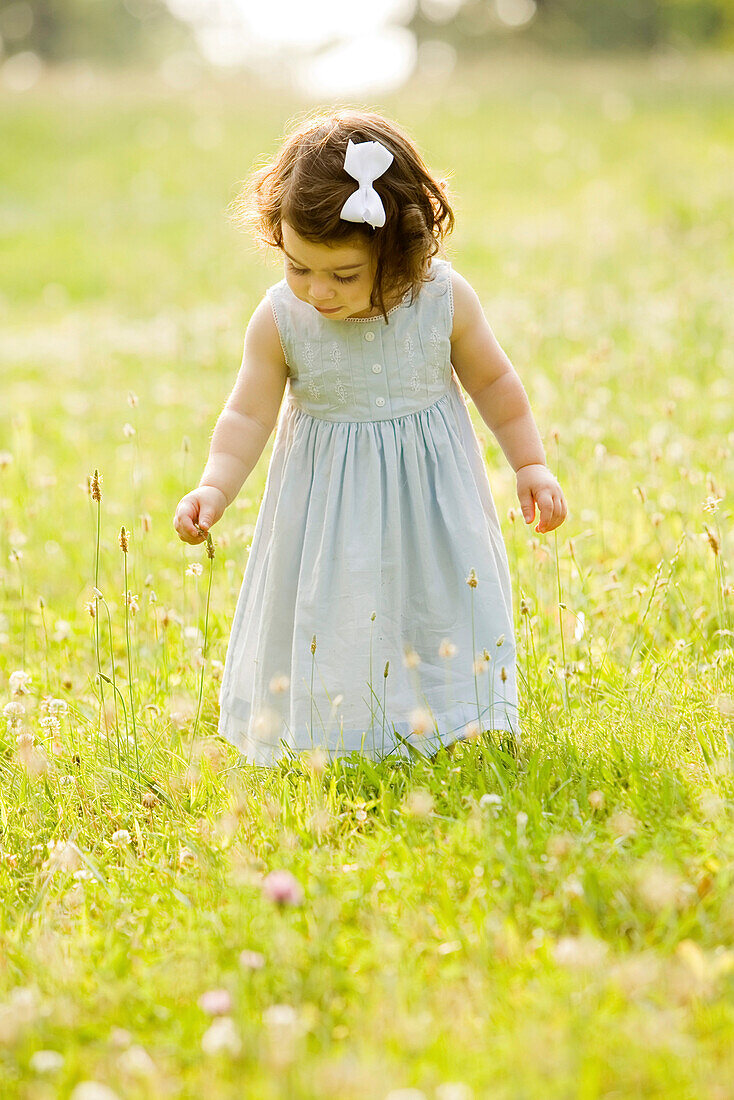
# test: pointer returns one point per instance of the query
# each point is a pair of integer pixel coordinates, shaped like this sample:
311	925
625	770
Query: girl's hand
198	511
536	485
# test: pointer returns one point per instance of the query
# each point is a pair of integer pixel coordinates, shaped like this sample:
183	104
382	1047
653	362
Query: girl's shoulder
466	303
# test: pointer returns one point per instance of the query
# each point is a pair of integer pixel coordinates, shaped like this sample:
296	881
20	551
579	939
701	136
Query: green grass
572	935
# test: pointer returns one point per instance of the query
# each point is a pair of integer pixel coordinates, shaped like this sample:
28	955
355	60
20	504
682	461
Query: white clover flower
221	1037
121	838
19	682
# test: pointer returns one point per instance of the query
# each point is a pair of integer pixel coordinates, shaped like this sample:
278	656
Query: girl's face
336	280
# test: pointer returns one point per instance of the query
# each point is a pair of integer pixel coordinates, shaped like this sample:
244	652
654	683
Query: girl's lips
329	310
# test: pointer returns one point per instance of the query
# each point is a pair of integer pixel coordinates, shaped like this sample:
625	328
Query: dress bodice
368	369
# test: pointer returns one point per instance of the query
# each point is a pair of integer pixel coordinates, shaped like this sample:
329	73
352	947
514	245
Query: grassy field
555	925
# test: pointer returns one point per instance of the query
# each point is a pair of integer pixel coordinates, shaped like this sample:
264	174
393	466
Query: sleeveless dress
376	509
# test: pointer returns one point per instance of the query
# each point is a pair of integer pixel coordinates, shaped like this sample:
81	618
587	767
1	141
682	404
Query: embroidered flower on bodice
309	352
414	380
436	345
339	387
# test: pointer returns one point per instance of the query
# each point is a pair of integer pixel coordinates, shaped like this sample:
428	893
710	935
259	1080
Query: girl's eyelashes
339	278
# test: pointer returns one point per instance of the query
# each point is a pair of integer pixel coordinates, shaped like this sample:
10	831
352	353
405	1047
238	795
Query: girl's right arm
242	430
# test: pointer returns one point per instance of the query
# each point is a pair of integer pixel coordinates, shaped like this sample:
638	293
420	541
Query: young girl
376	610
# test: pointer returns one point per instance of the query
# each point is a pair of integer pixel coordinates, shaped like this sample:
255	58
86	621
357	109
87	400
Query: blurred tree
473	26
105	30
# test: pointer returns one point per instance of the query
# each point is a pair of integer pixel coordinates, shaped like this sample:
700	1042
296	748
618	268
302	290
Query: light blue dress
376	508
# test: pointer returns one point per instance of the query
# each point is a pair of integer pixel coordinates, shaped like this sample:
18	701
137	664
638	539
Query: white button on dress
380	401
376	368
369	336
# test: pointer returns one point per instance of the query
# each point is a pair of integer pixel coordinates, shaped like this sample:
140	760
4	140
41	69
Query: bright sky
362	47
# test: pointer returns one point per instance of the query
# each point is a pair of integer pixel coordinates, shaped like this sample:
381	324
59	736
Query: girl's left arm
494	386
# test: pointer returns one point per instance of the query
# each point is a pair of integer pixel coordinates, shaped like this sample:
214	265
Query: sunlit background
328	48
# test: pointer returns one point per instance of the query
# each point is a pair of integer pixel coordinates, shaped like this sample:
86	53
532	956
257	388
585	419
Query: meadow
555	922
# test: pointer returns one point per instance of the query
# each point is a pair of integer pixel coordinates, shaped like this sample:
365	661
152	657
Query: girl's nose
320	292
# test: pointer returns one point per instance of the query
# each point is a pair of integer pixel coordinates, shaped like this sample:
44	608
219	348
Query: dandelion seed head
419	804
447	648
411	658
421	720
279	684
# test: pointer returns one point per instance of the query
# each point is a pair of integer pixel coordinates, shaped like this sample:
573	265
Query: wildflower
479	666
121	838
221	1037
132	399
132	603
724	705
512	514
251	960
5	459
471	580
279	684
419	804
711	504
490	800
128	431
524	607
500	641
124	540
596	800
186	856
421	720
13	713
209	546
46	1061
89	606
195	569
146	523
15	555
93	1090
583	952
19	682
64	855
282	888
33	759
136	1062
62	630
640	492
503	674
216	1002
446	648
410	658
313	645
387	669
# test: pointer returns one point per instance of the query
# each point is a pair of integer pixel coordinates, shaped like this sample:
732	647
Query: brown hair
306	186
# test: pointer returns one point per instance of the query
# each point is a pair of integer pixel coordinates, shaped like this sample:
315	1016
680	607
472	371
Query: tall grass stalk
125	546
210	557
95	491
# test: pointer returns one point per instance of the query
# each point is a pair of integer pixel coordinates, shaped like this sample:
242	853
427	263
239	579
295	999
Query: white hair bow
365	162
